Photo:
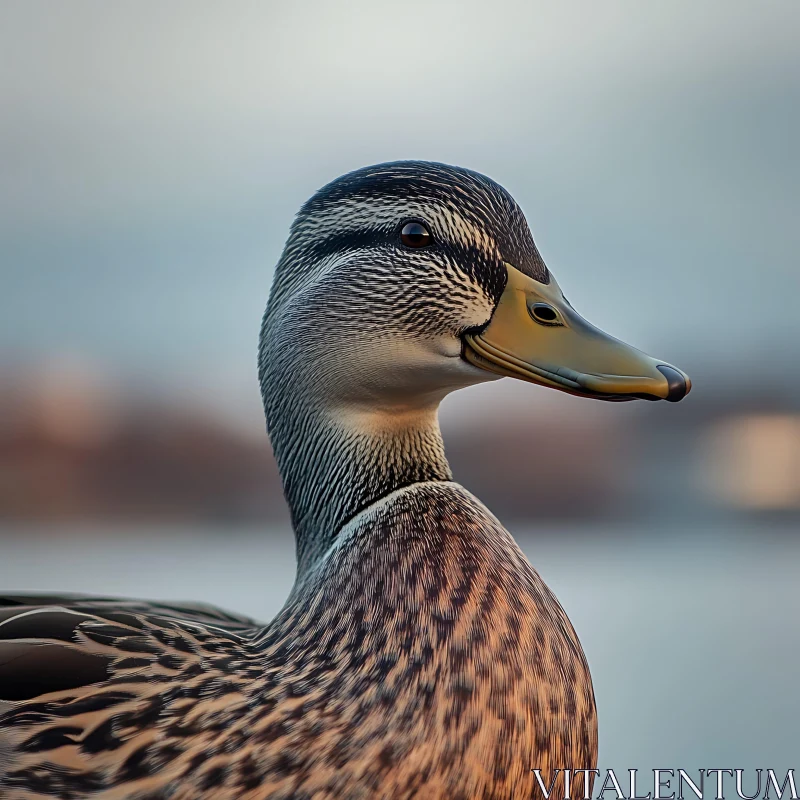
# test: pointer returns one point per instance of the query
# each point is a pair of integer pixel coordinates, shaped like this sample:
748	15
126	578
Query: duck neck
334	463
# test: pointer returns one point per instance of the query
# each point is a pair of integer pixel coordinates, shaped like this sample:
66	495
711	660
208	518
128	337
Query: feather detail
424	660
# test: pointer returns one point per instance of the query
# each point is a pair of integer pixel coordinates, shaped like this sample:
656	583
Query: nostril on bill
677	382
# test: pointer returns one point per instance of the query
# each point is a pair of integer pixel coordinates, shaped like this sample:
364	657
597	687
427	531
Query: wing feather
55	643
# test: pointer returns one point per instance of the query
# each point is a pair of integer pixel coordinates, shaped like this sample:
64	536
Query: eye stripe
465	204
347	240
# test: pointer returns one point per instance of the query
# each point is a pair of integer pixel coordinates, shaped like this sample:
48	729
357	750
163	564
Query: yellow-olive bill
536	335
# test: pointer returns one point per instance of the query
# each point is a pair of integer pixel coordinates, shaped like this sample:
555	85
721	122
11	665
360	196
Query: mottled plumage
419	654
422	657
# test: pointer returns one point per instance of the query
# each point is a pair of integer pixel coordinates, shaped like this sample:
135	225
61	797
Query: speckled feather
422	657
419	653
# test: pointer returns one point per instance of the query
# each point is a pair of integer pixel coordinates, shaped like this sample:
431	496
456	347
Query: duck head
398	284
403	281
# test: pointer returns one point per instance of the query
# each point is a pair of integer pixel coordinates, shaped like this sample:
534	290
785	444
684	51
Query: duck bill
535	335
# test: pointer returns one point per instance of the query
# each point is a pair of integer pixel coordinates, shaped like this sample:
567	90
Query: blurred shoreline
77	448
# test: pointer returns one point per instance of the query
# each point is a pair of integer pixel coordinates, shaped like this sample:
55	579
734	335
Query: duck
419	654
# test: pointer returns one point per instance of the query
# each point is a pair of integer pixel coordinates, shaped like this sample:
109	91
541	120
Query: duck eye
544	314
415	234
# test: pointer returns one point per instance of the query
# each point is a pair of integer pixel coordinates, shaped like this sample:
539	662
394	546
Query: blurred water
693	635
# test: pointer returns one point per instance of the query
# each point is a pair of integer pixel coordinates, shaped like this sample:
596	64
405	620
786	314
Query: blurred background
152	157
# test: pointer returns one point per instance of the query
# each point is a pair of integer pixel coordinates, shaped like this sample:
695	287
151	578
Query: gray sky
153	155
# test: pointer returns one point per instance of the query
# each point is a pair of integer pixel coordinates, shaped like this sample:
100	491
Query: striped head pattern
374	309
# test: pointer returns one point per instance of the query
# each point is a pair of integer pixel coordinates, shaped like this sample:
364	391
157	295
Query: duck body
415	660
419	653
